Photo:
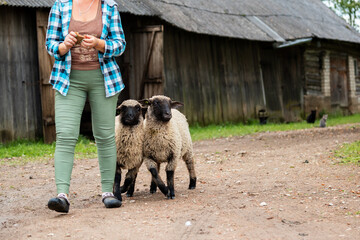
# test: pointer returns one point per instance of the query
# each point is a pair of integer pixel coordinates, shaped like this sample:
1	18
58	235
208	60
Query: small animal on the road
323	121
312	116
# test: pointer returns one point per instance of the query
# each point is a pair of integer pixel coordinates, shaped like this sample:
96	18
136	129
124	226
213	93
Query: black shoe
59	204
110	201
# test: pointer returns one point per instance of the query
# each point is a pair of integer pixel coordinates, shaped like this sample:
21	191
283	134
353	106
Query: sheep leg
170	169
189	160
130	192
153	185
117	188
170	183
129	183
129	178
158	181
151	166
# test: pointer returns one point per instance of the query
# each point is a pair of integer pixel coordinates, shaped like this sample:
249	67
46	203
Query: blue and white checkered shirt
112	33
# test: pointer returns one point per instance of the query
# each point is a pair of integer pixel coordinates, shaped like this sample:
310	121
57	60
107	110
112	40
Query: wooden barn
226	60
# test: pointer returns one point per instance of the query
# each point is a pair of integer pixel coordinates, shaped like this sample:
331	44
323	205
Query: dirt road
278	185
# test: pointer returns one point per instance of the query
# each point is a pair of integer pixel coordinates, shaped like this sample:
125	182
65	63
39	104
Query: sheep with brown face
167	139
129	137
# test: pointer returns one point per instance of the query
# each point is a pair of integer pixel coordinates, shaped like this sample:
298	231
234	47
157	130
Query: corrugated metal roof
28	3
261	20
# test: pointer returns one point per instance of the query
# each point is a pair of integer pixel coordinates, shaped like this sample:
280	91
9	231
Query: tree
349	9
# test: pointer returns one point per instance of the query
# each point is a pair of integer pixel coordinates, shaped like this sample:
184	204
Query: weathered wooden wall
330	72
20	107
218	79
313	59
142	62
357	75
282	71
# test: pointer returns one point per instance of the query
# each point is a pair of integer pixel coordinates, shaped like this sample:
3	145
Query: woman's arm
114	44
53	32
55	43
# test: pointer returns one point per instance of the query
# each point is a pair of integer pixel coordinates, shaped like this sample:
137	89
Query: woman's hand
68	43
93	42
89	41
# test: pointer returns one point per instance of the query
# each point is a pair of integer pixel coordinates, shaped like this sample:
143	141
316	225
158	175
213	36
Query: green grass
229	130
22	151
349	153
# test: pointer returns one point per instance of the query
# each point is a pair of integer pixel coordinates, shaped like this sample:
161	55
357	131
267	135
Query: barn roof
260	20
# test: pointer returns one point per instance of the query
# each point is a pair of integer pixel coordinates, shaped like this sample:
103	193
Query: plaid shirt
112	33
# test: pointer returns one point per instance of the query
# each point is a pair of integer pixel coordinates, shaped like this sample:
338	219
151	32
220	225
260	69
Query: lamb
129	137
167	139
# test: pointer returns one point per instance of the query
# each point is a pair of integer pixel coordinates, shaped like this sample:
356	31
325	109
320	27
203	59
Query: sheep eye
138	108
122	109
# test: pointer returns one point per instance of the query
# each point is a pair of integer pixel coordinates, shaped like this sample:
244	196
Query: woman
85	69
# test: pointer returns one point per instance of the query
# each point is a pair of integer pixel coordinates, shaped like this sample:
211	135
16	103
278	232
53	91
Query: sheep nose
167	116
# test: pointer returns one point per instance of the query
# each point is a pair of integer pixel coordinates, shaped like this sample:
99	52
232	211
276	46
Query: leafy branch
349	9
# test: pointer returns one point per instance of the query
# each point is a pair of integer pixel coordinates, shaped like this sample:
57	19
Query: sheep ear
143	111
175	104
145	102
120	108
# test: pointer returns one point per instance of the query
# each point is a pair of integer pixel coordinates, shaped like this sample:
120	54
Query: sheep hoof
123	190
192	184
170	196
153	187
129	194
118	195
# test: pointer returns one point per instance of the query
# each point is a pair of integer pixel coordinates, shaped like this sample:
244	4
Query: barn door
147	62
45	65
338	81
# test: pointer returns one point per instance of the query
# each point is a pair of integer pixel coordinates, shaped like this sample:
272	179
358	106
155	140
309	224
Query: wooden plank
45	65
339	81
6	117
153	70
146	61
270	66
18	90
148	29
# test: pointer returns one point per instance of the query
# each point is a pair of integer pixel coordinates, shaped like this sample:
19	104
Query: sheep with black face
129	137
167	139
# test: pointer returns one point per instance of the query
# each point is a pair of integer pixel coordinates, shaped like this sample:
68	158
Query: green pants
68	110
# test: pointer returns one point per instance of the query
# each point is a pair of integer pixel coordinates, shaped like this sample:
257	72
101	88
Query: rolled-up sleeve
54	32
115	41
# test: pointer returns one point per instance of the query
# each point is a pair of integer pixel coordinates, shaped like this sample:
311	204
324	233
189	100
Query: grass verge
348	153
230	130
24	151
